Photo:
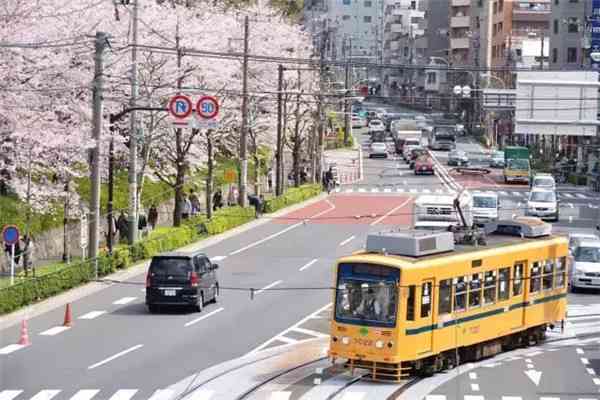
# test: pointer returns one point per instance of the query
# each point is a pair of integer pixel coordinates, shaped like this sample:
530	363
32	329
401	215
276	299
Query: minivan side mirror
215	266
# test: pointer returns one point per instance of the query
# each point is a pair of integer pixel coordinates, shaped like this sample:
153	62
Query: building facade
568	40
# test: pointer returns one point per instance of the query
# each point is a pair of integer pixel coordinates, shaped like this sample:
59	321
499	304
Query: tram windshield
367	295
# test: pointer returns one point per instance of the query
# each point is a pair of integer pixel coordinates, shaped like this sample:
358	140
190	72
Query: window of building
535	278
477	23
431	78
413	5
460	294
518	279
495	8
346	2
406	51
572	54
548	276
500	27
426	300
345	17
519	52
367	18
410	303
572	25
555	55
445	306
368	3
573	1
556	27
561	271
489	287
503	284
494	29
475	291
556	2
479	3
500	5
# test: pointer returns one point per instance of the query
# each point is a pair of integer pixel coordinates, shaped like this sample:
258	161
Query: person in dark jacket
217	200
153	217
122	227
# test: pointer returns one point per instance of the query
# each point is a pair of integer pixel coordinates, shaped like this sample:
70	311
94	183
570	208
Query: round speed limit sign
207	107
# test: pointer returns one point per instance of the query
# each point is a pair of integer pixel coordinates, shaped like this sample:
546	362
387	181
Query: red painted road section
362	210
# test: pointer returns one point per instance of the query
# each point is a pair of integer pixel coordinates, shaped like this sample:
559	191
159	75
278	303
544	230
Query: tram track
345	386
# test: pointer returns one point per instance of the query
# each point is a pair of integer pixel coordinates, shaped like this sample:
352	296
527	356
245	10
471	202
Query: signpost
230	176
205	114
595	35
10	236
180	108
83	236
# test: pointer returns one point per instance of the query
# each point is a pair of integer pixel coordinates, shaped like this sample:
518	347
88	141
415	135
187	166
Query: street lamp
465	91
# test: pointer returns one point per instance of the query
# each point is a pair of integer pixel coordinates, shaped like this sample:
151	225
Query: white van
485	207
438	211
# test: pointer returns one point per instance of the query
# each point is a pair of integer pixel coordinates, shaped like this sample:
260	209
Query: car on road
424	165
485	207
575	240
543	203
497	159
414	154
407	151
458	158
358	122
181	279
378	149
586	266
376	125
543	181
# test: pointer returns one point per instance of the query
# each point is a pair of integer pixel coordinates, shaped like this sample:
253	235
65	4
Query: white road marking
596	381
581	196
529	366
86	394
280	395
125	300
9	394
528	360
492	365
317	381
579	351
92	315
570	205
568	195
387	214
192	322
435	397
438	191
374	190
309	332
109	359
287	340
412	190
269	286
472	375
308	264
11	348
345	242
475	387
55	330
361	190
387	190
590	371
45	395
585	361
549	398
218	258
162	394
473	397
124	394
512	398
354	396
426	191
534	375
202	394
503	193
516	193
281	232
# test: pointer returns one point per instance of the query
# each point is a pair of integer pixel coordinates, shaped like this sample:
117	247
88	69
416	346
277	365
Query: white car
376	125
586	266
575	240
358	122
378	149
485	207
543	203
543	181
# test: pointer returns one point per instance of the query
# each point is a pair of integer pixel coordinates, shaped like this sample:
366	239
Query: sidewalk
348	162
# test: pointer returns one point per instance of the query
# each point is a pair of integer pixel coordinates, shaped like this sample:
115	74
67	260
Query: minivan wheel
200	304
216	293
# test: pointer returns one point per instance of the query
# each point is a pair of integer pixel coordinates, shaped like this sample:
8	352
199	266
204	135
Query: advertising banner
595	35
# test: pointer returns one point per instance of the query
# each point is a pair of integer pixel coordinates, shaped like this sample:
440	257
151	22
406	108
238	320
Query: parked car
458	158
543	203
181	278
586	266
497	159
424	165
543	181
378	149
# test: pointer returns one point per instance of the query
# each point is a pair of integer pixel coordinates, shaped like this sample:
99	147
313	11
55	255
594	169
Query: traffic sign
207	107
230	176
180	107
83	237
10	234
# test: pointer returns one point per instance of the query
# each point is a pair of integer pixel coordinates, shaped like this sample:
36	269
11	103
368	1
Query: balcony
460	22
396	28
461	3
459	43
531	12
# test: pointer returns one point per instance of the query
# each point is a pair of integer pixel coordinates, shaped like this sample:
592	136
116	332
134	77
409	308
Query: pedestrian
329	179
122	227
217	200
153	216
28	250
186	207
232	197
143	223
195	202
270	179
8	250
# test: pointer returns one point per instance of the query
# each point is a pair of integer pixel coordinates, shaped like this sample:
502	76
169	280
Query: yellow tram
415	302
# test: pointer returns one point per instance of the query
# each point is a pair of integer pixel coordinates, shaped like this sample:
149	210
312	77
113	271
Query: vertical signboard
595	35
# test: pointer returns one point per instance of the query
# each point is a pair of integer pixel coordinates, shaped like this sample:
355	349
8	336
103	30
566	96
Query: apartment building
460	32
568	40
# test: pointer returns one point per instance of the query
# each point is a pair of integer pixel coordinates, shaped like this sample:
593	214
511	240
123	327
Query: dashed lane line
210	314
92	315
11	348
124	300
269	286
308	264
111	358
55	330
345	242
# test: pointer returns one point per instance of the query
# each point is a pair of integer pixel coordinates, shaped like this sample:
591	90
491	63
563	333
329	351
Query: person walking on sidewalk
153	217
217	200
122	227
195	202
186	207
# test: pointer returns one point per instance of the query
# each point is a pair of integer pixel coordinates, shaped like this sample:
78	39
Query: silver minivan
485	207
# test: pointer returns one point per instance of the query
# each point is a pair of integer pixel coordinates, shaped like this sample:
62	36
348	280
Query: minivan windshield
588	254
543	182
544	197
484	202
171	266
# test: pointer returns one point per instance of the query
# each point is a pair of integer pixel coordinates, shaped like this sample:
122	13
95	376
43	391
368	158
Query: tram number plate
171	292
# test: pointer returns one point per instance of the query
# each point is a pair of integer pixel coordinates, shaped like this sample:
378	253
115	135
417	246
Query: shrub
292	196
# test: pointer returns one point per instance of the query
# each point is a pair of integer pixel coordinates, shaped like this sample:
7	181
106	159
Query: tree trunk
296	152
209	178
180	177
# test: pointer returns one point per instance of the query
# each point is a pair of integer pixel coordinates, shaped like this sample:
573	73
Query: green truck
516	164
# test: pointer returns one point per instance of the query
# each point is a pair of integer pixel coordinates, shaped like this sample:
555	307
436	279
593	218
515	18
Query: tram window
561	269
518	280
445	297
503	288
460	296
535	278
548	275
475	291
426	300
489	287
410	303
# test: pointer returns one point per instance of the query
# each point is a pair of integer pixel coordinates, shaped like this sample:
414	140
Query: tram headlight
390	344
379	344
334	338
345	340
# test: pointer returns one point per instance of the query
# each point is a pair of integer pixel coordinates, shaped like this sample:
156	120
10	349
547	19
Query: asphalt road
117	350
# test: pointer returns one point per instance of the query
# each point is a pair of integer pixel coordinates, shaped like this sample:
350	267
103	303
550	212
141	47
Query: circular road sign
10	234
457	90
180	106
207	107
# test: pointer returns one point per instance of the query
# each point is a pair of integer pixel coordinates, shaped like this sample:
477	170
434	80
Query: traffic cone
24	339
67	315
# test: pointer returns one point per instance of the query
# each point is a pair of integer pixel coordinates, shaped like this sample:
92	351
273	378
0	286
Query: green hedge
292	196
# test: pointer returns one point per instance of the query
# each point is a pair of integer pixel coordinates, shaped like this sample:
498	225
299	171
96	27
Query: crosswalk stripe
374	190
413	190
515	193
11	348
124	394
426	191
9	394
567	195
92	315
387	190
124	300
203	394
362	190
354	396
474	397
280	395
512	398
162	394
581	196
503	193
55	330
438	190
45	395
435	397
86	394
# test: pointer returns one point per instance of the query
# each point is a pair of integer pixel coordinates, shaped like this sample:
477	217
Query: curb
74	294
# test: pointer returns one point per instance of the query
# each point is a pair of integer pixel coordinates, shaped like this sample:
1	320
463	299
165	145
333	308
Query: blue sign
10	234
595	35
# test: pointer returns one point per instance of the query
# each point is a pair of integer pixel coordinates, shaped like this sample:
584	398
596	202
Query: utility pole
321	125
209	179
133	201
94	214
542	52
244	137
347	103
111	189
279	160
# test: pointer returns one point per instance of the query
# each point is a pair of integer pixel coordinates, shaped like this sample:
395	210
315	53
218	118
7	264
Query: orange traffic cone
67	315
24	340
